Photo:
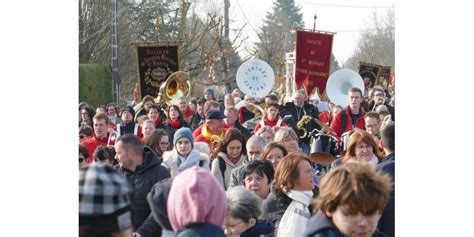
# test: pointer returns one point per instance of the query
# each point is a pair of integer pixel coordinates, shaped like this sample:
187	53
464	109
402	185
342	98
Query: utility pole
226	46
115	69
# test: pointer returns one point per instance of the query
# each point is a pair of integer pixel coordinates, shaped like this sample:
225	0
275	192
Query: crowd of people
239	166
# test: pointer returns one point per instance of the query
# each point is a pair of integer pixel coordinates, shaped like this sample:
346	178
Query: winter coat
158	222
321	226
387	220
229	166
336	122
92	143
261	228
296	115
200	230
170	157
142	180
274	206
237	175
293	222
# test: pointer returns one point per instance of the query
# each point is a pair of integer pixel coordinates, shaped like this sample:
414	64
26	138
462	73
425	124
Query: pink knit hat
196	197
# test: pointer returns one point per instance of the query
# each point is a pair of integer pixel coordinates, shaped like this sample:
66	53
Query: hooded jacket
142	180
321	226
224	179
196	203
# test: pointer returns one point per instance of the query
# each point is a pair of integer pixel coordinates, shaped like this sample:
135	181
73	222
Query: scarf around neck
174	124
193	159
207	134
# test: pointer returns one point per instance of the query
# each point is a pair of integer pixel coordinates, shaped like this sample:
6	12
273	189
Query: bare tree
377	43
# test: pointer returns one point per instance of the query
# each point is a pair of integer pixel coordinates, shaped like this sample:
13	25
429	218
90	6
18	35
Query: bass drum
323	149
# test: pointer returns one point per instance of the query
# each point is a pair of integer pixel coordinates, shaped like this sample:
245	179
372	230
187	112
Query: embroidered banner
156	61
313	60
384	75
369	72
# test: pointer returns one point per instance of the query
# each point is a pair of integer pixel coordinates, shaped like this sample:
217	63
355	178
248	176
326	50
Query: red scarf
157	122
188	113
271	123
174	124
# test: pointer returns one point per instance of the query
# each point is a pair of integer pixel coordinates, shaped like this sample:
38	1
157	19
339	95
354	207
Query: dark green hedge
95	84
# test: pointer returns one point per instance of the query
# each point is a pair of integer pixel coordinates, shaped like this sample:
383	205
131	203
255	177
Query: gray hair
243	204
258	139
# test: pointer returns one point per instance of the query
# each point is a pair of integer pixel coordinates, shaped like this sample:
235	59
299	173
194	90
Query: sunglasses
82	136
81	159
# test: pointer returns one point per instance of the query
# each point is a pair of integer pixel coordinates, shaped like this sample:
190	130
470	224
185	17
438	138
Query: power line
245	17
346	6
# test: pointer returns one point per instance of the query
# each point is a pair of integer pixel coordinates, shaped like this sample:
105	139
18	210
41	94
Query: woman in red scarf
174	121
271	119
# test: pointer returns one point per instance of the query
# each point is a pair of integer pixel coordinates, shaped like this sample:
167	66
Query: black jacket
274	206
142	180
296	115
321	226
196	120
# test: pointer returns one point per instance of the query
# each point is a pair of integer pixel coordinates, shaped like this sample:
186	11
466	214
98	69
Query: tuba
339	83
177	85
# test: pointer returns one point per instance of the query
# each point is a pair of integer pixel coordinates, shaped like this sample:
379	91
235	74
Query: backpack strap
222	167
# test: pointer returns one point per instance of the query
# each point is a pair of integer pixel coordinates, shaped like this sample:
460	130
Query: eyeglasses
81	159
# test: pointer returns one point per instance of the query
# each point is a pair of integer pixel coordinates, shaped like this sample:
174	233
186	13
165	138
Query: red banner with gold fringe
313	60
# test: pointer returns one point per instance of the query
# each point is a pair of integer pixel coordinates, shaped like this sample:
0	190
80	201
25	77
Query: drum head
322	158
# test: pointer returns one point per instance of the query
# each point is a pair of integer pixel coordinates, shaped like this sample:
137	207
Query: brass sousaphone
176	85
339	83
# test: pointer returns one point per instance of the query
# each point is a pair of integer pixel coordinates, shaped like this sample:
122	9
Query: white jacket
294	220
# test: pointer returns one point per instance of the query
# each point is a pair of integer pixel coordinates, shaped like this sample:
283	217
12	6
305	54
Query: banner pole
314	25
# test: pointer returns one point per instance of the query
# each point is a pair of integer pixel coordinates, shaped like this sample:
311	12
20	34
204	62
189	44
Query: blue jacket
321	226
387	221
261	228
200	230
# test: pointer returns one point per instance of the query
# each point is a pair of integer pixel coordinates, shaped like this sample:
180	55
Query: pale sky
346	18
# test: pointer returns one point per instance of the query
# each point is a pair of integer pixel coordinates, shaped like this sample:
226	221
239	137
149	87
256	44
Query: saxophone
300	126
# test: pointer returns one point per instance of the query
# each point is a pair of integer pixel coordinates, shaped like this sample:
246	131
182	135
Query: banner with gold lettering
156	61
313	60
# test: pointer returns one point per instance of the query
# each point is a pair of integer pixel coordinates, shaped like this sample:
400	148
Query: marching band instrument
255	78
176	85
301	130
339	83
